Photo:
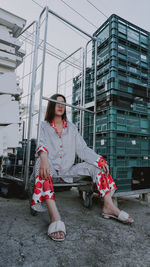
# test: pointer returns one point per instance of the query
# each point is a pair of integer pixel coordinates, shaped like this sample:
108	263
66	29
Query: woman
58	145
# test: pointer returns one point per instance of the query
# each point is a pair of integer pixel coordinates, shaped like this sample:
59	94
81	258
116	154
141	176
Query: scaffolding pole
31	106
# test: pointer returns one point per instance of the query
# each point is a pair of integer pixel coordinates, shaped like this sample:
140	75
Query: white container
13	22
9	111
8	83
12	135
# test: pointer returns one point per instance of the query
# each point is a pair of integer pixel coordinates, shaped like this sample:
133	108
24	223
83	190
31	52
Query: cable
59	50
37	4
97	9
64	23
54	54
79	14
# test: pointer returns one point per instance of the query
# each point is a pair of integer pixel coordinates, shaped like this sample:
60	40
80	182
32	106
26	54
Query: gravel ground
90	241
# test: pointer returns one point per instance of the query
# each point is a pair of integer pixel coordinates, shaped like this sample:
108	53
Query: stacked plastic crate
123	94
76	96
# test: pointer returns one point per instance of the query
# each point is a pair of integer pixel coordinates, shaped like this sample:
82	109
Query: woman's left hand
106	169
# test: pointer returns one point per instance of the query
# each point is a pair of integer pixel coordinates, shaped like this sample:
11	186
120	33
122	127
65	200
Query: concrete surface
91	240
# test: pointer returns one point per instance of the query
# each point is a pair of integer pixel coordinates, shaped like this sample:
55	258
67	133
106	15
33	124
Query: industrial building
11	56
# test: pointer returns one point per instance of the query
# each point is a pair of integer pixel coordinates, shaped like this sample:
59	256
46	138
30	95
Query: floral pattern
43	189
101	162
104	184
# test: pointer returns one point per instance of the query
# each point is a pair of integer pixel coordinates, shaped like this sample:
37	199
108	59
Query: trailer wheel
87	199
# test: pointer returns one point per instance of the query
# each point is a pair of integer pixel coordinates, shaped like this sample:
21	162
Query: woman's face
59	108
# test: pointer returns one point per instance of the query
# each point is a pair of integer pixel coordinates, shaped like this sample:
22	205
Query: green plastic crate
123	57
114	118
126	161
123	144
123	178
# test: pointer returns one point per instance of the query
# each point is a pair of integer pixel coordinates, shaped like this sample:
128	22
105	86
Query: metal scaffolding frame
81	49
31	94
46	11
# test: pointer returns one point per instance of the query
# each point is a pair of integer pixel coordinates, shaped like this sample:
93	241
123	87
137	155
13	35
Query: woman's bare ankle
55	218
113	210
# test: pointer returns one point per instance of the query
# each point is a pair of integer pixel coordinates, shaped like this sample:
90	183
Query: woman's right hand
44	170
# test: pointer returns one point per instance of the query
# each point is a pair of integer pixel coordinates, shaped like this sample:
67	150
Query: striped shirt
62	148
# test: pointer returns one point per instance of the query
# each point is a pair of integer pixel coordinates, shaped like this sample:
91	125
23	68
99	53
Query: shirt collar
52	124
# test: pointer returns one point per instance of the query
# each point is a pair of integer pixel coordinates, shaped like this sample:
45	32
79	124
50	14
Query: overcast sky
136	11
67	40
62	37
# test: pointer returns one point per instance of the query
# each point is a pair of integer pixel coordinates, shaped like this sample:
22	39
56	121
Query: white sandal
122	217
56	227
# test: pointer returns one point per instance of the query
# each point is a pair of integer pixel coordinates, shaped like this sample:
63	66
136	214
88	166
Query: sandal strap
123	216
56	226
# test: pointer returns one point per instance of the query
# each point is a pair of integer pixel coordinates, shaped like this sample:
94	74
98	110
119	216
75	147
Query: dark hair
50	111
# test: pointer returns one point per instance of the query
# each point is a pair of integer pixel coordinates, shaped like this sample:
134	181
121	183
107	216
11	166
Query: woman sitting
59	143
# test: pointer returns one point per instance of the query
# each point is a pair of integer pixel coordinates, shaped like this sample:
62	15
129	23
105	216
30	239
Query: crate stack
123	99
76	94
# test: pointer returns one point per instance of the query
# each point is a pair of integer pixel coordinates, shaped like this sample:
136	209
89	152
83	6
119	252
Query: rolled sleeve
41	148
100	162
42	145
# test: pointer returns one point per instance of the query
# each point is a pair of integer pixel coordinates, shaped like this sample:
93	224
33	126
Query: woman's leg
52	209
106	188
104	185
109	207
54	216
44	191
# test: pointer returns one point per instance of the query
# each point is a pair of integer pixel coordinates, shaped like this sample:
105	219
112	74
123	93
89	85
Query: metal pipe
42	12
27	27
95	87
82	90
43	66
23	130
66	104
71	24
62	62
26	174
49	99
84	84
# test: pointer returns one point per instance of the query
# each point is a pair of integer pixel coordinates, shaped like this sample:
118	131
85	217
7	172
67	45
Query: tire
87	199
